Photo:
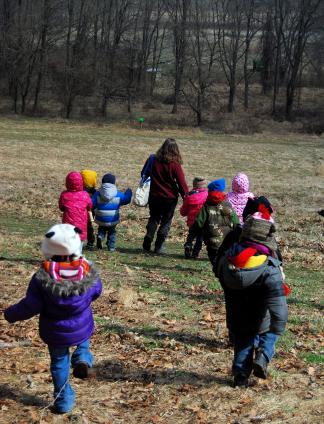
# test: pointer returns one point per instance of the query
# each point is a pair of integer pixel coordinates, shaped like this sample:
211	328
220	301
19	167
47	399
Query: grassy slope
160	345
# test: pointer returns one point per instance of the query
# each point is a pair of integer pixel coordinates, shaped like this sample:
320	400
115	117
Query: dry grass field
160	343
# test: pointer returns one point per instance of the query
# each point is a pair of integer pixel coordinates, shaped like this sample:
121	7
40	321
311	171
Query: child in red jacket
192	204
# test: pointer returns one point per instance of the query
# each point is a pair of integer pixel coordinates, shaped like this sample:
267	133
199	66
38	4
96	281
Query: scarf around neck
73	271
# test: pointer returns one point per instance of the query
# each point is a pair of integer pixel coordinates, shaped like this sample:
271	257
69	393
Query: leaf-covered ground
160	344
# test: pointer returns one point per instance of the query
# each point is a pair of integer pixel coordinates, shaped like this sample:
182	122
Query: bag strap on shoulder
148	168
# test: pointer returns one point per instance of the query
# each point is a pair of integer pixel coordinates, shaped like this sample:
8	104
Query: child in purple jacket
61	292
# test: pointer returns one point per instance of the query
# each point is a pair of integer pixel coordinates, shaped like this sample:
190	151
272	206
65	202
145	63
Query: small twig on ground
42	411
20	343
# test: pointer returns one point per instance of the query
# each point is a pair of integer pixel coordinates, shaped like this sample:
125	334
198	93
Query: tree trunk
246	83
42	55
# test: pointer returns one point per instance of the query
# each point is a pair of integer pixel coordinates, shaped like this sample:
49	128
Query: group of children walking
81	204
238	231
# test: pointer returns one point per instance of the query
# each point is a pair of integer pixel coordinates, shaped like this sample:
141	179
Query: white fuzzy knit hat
62	240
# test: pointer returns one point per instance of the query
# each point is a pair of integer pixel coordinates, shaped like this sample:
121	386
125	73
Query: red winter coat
167	180
192	204
75	203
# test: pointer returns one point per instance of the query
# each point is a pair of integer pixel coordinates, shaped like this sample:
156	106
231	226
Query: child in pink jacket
192	204
75	203
239	195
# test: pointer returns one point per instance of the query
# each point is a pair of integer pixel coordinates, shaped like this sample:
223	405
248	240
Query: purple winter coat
65	316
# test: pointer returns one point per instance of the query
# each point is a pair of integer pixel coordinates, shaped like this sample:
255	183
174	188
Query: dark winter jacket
65	316
235	236
254	297
216	218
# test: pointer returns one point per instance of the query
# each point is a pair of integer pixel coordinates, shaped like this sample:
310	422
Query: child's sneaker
90	247
111	249
81	370
99	243
260	365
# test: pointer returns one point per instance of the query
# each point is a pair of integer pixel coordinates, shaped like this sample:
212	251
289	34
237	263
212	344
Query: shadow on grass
7	392
138	251
181	267
307	303
155	333
117	371
216	297
25	260
130	250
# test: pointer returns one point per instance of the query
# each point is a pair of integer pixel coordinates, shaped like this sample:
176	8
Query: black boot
240	380
99	243
81	370
147	244
260	365
187	251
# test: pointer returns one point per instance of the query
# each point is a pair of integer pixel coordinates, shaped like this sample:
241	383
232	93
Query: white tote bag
142	192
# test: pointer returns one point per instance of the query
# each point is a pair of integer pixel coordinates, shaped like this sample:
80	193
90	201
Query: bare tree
230	18
203	56
114	24
251	28
178	11
298	18
158	44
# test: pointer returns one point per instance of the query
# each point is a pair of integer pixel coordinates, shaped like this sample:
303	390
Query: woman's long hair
169	152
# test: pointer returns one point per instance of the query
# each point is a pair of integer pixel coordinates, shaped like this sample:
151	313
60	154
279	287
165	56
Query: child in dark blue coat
255	297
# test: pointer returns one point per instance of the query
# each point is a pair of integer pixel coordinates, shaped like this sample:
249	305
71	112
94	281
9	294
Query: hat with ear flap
62	240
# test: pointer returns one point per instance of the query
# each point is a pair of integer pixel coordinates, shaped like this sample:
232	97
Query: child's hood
66	288
74	181
239	278
197	196
240	183
108	191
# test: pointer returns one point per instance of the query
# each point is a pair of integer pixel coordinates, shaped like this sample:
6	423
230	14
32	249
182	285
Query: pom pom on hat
257	205
199	182
62	240
108	178
217	185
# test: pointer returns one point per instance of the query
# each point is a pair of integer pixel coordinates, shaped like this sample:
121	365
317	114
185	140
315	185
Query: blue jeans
60	370
244	349
111	236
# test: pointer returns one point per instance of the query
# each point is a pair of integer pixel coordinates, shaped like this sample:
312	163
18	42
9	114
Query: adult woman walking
167	182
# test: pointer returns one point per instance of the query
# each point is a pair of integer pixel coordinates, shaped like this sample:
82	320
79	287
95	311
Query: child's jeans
60	370
244	348
111	236
195	235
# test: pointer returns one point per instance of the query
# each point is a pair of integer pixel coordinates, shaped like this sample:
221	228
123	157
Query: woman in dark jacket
167	183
